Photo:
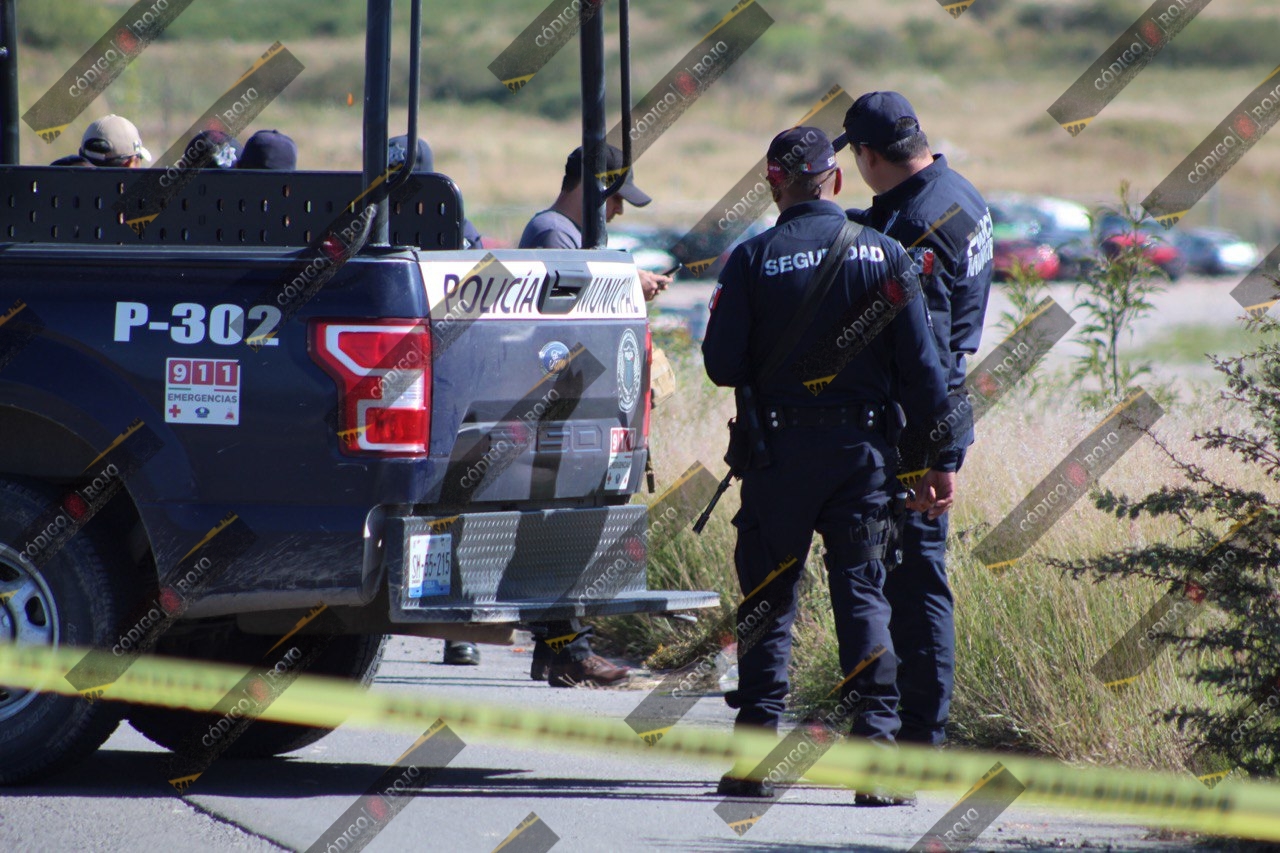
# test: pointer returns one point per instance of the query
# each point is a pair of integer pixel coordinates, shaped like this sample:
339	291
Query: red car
1014	236
1039	257
1157	248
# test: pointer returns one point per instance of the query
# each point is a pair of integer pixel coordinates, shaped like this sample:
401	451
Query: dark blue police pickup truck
214	424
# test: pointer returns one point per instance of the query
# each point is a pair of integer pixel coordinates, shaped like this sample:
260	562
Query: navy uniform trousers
832	480
923	628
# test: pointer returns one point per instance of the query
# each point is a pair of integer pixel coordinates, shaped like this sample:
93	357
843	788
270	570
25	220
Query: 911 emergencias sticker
622	445
202	391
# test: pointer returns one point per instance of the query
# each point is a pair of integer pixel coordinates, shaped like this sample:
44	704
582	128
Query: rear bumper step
525	566
650	601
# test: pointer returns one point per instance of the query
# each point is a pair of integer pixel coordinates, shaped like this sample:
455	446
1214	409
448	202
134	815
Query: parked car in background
1157	243
1017	242
1050	234
1028	254
1215	251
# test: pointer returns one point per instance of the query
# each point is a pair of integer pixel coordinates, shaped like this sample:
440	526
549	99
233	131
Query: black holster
748	447
895	421
897	520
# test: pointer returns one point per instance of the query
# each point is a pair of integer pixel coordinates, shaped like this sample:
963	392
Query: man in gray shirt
562	652
560	226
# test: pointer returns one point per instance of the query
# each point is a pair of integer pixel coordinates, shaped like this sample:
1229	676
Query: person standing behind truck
562	654
560	226
269	149
112	141
915	189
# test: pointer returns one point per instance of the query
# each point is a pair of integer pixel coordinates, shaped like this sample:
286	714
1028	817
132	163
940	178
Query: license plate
430	565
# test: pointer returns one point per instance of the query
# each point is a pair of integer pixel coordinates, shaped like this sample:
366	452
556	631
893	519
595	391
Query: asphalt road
119	801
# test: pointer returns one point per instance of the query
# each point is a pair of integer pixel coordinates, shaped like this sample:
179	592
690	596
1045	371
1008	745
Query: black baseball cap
799	151
873	120
269	149
613	164
214	148
398	153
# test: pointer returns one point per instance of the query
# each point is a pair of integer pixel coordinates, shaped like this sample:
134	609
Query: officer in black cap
212	149
915	192
269	149
831	457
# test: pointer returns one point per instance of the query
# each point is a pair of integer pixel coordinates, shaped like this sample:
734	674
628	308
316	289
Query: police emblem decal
628	372
554	356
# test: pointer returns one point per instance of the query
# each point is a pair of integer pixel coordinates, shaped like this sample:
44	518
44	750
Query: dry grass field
1028	637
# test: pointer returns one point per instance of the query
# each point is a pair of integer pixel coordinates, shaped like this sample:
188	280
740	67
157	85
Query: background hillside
981	84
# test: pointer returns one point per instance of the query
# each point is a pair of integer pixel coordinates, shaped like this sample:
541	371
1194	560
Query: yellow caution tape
1178	801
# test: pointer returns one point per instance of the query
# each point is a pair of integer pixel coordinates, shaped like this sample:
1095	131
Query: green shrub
1235	657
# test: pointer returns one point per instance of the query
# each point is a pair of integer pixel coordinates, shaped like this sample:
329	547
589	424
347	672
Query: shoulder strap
819	287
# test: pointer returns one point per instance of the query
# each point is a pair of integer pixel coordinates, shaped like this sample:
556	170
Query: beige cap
112	139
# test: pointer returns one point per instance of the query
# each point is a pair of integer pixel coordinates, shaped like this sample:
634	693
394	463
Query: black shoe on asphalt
541	668
461	654
737	786
883	798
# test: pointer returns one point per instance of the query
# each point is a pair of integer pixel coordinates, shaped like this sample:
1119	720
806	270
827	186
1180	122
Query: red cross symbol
174	411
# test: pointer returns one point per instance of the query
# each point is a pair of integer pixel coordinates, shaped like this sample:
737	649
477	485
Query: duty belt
863	416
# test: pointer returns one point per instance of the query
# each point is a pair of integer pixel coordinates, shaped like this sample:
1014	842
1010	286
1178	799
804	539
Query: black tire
351	656
78	598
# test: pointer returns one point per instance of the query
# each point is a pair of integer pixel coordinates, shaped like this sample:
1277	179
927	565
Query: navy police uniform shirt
957	286
957	278
762	286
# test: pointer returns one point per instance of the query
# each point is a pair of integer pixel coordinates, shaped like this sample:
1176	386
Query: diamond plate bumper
525	566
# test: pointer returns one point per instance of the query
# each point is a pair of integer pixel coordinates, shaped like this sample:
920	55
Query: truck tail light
647	403
383	372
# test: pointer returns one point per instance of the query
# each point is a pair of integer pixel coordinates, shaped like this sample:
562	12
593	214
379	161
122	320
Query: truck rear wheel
74	598
350	656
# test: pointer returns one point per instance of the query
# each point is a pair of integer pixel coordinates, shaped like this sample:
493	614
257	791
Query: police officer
915	189
270	150
832	464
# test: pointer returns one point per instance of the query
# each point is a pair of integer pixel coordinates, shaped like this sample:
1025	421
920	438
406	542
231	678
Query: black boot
542	657
738	786
461	654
